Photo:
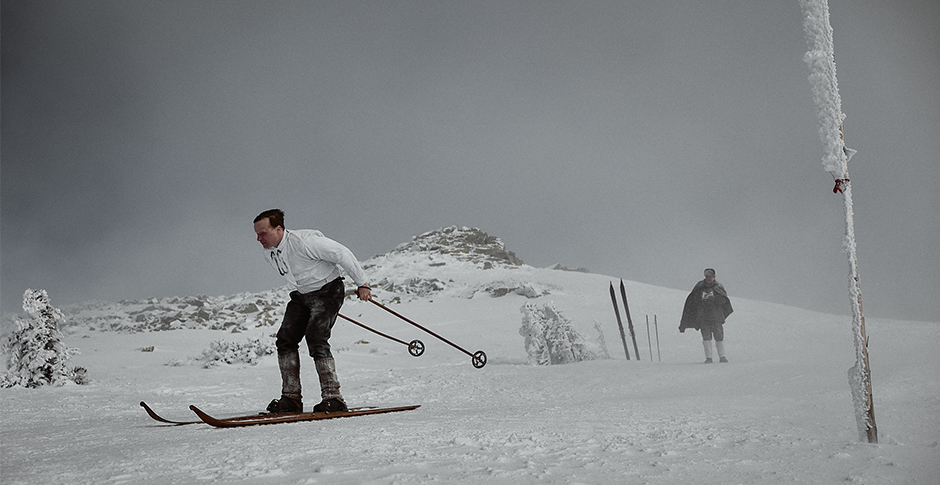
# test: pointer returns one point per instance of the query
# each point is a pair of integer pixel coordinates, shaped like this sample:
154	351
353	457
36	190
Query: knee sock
329	383
708	348
289	364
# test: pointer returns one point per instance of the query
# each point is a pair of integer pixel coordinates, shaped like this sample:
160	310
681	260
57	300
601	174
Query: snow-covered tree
550	337
36	355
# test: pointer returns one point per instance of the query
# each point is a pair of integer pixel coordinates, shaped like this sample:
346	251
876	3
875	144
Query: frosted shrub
249	352
550	337
36	354
533	330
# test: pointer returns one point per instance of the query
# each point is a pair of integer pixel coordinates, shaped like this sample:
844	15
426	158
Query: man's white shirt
309	260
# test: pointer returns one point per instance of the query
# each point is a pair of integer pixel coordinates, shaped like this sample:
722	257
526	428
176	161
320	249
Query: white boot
708	351
720	344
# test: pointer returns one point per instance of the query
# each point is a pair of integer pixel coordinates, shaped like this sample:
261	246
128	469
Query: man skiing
311	263
706	309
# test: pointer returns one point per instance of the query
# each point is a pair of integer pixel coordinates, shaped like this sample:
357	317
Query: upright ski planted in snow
623	336
626	307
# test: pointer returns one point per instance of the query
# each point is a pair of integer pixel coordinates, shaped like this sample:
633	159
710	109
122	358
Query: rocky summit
464	244
453	261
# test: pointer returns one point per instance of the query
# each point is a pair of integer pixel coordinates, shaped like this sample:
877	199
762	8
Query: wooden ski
292	417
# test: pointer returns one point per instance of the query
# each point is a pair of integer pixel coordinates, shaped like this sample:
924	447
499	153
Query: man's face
709	279
268	236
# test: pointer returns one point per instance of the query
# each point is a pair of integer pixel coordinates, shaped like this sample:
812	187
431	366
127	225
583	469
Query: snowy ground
779	412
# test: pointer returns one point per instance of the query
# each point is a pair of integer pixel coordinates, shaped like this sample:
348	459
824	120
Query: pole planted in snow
821	61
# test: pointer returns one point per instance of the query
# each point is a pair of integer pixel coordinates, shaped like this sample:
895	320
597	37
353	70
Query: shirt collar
282	244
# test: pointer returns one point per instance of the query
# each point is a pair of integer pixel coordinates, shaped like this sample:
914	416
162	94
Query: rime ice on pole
821	60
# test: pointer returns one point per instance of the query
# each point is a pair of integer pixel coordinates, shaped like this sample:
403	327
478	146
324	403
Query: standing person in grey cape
706	309
311	263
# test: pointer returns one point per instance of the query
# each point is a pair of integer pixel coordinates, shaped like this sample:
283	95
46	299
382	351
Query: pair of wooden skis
262	418
626	307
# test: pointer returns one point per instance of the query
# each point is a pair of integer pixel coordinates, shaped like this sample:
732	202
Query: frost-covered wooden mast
821	60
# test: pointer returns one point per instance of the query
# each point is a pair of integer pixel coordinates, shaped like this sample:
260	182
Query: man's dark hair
275	217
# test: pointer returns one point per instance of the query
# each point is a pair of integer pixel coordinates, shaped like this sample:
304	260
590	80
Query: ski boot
285	405
330	405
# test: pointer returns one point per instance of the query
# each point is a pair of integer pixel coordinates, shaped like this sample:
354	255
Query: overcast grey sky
642	140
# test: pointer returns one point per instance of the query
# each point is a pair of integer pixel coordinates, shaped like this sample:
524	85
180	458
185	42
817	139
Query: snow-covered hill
779	412
442	262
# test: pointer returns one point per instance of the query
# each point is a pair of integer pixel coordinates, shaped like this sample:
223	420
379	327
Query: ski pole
415	347
479	357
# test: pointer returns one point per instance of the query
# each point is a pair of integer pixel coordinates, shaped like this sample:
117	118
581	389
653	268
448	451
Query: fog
641	140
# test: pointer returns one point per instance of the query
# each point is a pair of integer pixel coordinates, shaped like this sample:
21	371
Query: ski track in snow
780	412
